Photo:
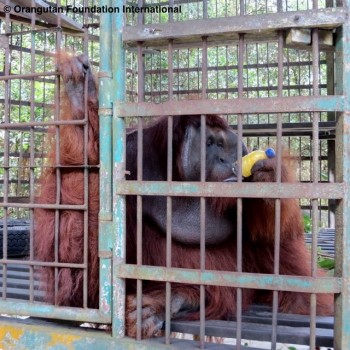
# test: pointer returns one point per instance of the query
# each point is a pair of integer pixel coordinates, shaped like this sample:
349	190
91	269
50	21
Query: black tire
18	238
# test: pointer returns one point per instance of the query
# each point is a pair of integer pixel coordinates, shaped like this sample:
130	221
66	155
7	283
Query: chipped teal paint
219	189
342	316
23	334
105	102
232	279
118	69
105	214
23	308
105	166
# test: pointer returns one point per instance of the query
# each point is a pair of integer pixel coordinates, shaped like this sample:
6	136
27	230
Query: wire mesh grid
194	10
260	80
31	125
245	67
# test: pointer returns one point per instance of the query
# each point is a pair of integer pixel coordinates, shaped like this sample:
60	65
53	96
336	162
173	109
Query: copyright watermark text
91	9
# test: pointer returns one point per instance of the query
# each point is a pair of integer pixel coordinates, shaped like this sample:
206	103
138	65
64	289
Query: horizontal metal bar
230	67
38	334
48	123
34	31
216	90
234	190
23	308
299	126
44	206
41	263
259	327
301	284
326	130
262	24
27	76
233	106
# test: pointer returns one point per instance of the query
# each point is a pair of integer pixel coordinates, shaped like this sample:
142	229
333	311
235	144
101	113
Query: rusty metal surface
36	334
157	34
233	106
219	189
233	279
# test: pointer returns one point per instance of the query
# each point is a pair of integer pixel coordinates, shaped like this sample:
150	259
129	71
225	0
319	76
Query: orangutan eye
209	141
220	144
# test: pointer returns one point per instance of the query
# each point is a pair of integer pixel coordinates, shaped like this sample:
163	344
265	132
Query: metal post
105	115
342	300
119	218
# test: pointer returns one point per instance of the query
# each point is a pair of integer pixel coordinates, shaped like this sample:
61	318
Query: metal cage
277	71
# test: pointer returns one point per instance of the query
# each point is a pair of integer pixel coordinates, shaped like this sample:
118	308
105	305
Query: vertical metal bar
57	152
106	229
268	71
226	71
119	207
202	236
330	143
140	16
217	72
86	170
140	91
315	172
279	6
277	201
6	154
202	199
257	71
169	199
171	14
342	239
31	151
241	7
241	47
19	180
205	9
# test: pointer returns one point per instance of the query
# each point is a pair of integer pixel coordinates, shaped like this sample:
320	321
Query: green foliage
307	223
326	263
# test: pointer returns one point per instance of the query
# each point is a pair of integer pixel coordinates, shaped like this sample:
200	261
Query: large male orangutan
220	230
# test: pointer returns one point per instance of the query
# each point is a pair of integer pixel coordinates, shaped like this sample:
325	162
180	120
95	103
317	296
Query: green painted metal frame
105	215
234	106
342	269
113	269
339	103
117	54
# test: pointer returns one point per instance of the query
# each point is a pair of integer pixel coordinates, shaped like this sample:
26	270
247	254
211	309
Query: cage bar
241	54
243	104
169	199
342	306
140	98
202	199
119	207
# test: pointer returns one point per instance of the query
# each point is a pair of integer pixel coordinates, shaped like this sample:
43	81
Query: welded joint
105	254
105	112
105	74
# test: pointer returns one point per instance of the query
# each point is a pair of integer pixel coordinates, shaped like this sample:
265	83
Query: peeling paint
9	336
66	340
